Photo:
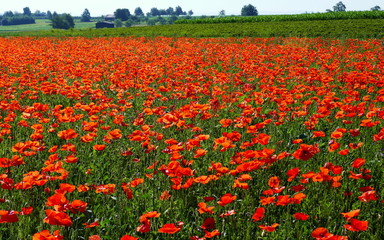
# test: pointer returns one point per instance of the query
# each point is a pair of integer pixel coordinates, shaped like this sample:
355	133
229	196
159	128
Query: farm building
105	24
109	17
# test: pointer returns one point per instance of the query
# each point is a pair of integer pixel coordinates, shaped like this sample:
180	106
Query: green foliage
122	14
118	23
360	24
154	12
178	11
86	16
294	17
63	21
128	23
8	14
17	20
27	11
49	15
139	12
249	10
339	7
151	22
366	28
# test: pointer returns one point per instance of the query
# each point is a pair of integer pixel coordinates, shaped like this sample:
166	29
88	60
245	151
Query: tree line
250	10
10	18
123	15
153	17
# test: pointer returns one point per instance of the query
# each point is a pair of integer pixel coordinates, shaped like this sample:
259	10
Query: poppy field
185	138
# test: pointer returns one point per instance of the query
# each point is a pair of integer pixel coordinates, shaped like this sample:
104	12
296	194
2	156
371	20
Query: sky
199	7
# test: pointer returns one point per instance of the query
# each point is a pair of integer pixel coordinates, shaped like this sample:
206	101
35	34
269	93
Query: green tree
86	16
179	11
161	21
139	12
171	19
170	11
376	8
49	15
151	22
27	11
129	23
8	14
63	21
17	20
339	7
40	14
122	13
118	23
154	12
249	10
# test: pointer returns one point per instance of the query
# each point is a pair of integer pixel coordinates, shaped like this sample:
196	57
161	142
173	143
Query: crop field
185	138
342	29
347	15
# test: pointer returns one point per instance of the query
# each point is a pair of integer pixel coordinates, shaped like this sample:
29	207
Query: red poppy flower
305	152
368	196
356	225
211	234
269	228
77	206
151	214
67	134
321	233
200	153
26	211
46	235
358	162
171	228
128	237
259	214
57	218
165	195
226	199
351	214
94	237
301	216
209	223
274	182
99	147
318	134
293	173
135	182
8	216
204	209
91	225
145	226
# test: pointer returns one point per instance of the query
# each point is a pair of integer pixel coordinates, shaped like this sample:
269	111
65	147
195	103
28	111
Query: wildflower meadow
191	138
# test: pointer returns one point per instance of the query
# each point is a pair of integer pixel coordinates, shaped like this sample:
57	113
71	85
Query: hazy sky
199	7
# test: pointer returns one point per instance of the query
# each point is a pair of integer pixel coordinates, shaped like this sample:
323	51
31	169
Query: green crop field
292	17
354	28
